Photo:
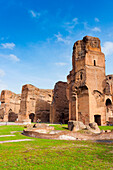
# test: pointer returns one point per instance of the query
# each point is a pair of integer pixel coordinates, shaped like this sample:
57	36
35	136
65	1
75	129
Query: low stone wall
67	135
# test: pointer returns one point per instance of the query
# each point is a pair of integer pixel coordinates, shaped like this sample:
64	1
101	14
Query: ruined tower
85	82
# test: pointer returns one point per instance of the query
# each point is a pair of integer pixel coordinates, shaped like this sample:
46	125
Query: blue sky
37	36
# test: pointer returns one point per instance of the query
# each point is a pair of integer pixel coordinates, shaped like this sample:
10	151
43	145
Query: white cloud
14	57
96	29
61	39
107	48
2	73
71	25
10	57
34	14
8	45
61	64
97	20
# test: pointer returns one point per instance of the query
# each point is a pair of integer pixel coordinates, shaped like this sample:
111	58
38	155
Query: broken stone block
76	125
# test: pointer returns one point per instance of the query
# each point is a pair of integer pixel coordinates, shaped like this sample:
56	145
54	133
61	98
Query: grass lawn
65	127
106	127
52	154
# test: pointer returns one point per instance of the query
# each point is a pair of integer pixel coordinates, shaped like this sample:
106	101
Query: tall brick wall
35	102
10	106
60	106
88	71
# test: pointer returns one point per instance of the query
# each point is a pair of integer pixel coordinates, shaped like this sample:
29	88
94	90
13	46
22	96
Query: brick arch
108	102
32	116
12	116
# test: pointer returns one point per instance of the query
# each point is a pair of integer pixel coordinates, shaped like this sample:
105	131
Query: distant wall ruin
35	104
10	106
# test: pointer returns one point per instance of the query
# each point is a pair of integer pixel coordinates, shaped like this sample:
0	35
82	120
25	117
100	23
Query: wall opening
12	117
32	116
94	62
108	103
81	75
97	119
108	108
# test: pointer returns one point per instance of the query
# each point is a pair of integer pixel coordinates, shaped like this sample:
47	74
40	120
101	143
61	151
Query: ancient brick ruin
87	95
35	104
10	106
89	91
31	105
59	112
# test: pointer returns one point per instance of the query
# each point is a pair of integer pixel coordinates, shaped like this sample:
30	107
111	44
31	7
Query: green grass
53	154
65	127
106	127
60	127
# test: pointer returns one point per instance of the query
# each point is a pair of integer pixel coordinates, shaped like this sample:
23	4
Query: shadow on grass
66	128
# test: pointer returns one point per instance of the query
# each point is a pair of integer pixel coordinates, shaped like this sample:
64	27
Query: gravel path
6	135
19	140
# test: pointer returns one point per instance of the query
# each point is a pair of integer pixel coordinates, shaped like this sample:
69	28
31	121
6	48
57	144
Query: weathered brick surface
88	88
89	92
59	112
35	104
10	106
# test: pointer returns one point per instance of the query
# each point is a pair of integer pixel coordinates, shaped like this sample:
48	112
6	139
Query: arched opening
97	119
32	116
94	62
107	89
108	103
108	109
81	75
12	117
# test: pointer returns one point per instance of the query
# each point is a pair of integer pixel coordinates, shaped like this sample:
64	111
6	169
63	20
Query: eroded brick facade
35	104
10	106
88	88
59	112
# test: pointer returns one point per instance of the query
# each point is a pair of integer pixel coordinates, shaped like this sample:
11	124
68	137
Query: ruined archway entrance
12	117
108	109
108	103
32	116
97	119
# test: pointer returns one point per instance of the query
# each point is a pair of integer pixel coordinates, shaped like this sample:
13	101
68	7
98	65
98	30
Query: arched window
12	117
31	116
108	102
81	75
94	62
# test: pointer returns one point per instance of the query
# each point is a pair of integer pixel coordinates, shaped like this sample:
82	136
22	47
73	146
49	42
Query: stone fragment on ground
40	128
75	125
93	127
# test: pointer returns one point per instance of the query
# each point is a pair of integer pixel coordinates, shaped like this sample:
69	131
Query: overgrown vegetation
52	154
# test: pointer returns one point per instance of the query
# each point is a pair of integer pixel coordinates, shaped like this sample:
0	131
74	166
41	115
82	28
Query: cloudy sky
37	36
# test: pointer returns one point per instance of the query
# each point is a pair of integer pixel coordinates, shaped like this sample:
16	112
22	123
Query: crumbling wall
88	71
35	104
10	106
108	91
60	106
